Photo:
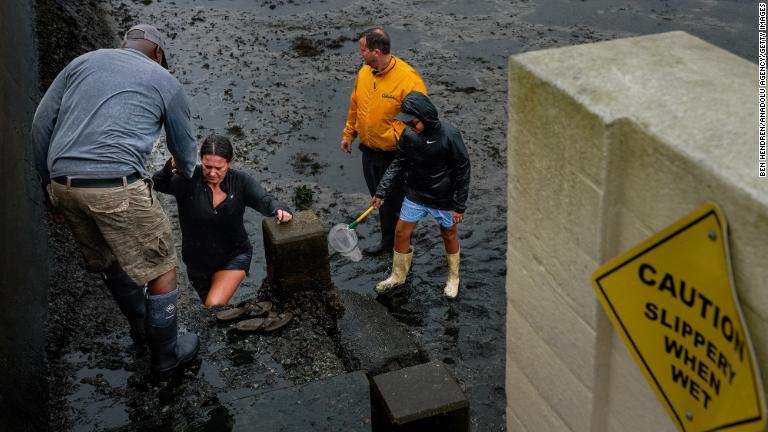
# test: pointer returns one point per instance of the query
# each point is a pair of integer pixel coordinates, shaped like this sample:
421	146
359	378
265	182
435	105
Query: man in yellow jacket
380	87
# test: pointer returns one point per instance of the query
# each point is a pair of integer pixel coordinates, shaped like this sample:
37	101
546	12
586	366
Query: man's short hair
376	38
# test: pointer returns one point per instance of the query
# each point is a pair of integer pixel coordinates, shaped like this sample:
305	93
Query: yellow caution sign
672	299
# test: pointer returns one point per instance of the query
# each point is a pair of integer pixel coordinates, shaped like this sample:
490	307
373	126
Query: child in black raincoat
433	161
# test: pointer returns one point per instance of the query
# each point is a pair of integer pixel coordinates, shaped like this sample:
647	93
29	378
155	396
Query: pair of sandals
255	316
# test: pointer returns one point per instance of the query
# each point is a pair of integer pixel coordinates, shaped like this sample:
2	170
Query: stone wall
23	256
37	39
609	143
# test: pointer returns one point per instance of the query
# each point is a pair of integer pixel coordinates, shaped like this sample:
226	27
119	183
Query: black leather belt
97	183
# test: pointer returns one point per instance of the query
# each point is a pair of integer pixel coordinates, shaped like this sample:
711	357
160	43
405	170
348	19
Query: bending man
92	133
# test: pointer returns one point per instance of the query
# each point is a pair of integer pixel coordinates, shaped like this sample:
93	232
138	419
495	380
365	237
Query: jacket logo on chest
388	96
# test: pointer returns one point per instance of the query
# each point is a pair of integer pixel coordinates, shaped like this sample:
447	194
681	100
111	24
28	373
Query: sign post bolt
712	235
689	415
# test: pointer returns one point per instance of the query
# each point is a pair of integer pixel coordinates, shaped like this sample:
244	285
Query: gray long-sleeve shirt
103	113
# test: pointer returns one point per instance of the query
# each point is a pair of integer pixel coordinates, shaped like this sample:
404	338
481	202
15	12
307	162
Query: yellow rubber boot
401	264
452	284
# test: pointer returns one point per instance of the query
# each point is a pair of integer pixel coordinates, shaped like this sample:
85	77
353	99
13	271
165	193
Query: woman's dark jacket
434	164
213	236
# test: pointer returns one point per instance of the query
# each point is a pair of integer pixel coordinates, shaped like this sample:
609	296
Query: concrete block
553	262
614	425
420	398
648	167
553	319
526	405
550	375
758	333
647	197
583	201
646	194
628	230
608	143
547	145
748	221
340	403
297	253
371	339
674	83
513	424
633	402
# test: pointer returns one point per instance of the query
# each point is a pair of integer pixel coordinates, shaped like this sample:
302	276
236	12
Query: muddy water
275	76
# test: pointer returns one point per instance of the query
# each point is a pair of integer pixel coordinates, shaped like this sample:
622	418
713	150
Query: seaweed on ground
303	197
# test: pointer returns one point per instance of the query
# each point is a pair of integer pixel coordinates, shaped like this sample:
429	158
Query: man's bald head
376	38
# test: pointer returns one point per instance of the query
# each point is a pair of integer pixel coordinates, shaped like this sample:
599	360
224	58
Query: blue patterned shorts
413	212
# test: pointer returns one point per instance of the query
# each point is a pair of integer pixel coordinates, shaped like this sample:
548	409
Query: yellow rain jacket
375	102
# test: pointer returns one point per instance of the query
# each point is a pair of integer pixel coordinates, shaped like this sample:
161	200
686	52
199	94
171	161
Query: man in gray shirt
92	133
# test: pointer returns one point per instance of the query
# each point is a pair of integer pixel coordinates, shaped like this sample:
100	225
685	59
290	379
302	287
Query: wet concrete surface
275	76
371	340
339	403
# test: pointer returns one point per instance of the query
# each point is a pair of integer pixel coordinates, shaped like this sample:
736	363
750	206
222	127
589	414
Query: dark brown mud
275	76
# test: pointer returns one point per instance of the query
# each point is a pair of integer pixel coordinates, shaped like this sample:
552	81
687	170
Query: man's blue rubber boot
168	349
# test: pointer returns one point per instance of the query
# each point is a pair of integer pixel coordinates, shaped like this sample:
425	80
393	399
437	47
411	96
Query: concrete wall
23	255
609	143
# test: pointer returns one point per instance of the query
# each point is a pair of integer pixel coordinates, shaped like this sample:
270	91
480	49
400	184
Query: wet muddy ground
275	76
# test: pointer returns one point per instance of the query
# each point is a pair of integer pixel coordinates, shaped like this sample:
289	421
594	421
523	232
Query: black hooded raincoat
433	164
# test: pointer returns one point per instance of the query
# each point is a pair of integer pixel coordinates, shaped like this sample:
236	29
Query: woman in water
215	245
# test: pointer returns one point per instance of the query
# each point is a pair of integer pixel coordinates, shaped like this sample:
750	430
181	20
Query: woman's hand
170	163
283	216
457	217
376	202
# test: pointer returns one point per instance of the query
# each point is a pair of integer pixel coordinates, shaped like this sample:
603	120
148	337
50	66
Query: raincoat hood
433	164
417	104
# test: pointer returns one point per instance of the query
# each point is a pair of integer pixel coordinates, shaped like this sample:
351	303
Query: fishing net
344	240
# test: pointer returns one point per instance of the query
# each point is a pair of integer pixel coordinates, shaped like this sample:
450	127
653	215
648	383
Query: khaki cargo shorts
123	223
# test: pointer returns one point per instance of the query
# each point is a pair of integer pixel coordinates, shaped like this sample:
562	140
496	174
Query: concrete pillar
609	143
419	398
298	267
297	253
